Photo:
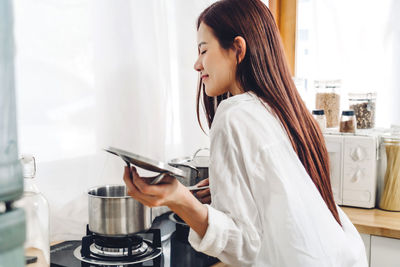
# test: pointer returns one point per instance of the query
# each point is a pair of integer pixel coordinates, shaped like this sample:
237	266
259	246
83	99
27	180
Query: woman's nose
197	65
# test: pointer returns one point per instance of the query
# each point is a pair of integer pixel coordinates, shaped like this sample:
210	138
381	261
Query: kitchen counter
367	221
375	221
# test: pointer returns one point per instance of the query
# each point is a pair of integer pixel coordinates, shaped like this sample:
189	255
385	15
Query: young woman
272	202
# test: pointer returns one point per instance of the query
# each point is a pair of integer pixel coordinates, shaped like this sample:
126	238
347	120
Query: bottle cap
28	166
348	112
318	112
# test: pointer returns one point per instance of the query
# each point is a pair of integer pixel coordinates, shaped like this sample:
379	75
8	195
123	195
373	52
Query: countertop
375	221
367	221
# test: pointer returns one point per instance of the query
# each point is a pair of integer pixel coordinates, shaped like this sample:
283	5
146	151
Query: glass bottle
328	99
348	122
390	199
319	116
37	213
364	105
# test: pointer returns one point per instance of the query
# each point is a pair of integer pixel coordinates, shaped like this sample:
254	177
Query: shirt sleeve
234	228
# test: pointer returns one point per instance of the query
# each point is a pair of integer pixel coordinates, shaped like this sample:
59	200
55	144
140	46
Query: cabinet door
334	145
367	243
385	252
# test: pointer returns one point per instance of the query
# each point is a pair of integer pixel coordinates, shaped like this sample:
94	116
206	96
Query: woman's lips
204	76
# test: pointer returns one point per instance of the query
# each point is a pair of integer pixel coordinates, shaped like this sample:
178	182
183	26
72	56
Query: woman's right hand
203	195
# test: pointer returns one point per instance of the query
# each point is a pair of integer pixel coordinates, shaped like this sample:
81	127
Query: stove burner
121	251
117	242
118	252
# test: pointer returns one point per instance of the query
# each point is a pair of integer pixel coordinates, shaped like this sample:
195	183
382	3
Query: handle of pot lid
158	178
198	151
176	164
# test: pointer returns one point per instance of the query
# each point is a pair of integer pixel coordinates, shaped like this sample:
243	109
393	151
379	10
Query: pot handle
198	151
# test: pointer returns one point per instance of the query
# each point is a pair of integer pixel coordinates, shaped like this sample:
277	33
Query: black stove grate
126	243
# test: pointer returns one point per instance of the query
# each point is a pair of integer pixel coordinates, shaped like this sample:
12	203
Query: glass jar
319	116
390	199
328	99
364	105
37	213
348	122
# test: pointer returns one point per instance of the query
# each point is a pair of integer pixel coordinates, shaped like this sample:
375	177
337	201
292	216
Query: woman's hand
166	193
169	193
203	195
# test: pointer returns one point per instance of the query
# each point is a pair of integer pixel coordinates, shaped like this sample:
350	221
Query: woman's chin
211	93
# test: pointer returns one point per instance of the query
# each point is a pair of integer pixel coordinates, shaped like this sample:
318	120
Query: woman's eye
203	52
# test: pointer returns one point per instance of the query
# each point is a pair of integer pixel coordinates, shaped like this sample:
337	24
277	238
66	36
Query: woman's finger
203	182
203	193
206	200
159	190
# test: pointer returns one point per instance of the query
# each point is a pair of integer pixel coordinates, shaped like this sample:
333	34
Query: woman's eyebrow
201	43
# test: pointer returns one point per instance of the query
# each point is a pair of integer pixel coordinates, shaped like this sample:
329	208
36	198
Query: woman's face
217	66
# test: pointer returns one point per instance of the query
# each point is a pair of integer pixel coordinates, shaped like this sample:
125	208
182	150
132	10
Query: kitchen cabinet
385	252
382	251
367	243
380	231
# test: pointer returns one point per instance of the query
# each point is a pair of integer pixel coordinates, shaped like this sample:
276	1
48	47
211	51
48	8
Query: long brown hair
264	71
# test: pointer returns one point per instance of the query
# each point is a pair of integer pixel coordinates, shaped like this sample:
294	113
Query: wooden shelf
375	221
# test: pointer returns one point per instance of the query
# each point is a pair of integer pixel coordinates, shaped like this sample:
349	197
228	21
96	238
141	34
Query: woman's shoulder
247	117
241	111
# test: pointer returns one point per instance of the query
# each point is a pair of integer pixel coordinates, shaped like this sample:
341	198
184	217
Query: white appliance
354	164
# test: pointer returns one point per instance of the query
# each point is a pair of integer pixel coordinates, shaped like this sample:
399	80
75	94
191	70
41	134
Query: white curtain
357	41
92	74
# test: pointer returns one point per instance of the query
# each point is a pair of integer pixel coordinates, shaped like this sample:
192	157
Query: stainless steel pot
112	212
196	166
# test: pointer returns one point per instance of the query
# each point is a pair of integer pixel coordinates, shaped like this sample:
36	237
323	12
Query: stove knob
357	176
357	154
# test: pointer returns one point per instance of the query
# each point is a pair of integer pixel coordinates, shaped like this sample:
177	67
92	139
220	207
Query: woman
272	203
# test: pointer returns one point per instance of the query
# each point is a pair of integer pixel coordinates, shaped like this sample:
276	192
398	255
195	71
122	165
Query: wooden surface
375	221
41	262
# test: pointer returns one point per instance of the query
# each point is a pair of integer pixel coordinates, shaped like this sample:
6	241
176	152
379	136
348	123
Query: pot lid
146	163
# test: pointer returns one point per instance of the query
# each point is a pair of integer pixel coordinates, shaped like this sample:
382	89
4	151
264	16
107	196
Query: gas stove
163	245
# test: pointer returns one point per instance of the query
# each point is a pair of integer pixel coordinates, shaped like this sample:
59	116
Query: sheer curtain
92	74
357	41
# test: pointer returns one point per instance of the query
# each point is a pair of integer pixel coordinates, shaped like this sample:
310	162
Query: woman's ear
240	46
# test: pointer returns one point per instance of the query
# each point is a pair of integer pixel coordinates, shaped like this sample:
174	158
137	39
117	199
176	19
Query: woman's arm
170	193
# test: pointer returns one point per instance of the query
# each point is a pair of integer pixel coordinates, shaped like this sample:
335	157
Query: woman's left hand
166	193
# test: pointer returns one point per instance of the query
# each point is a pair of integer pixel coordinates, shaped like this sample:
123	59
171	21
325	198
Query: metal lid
146	163
362	96
391	139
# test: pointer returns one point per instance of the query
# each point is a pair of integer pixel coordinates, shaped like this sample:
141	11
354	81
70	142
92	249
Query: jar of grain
347	122
328	99
390	199
319	116
363	105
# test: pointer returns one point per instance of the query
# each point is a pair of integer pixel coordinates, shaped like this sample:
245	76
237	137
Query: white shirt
265	209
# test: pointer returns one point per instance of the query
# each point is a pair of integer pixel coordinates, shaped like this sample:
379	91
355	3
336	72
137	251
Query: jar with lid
319	116
328	99
390	199
37	214
364	105
348	122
